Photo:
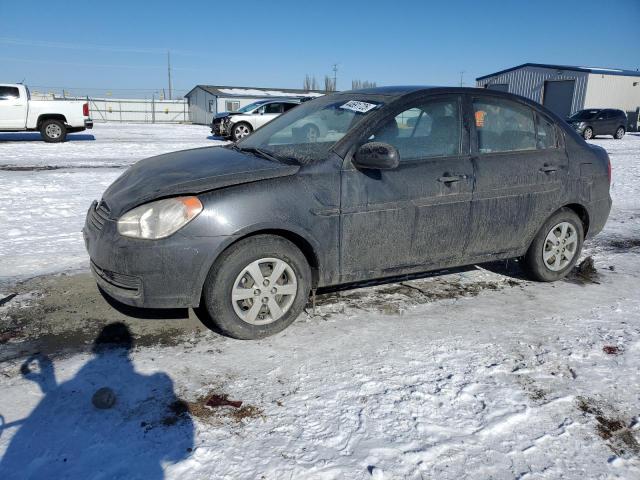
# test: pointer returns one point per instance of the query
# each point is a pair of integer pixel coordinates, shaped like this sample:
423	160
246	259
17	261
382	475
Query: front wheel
556	247
588	133
619	133
257	287
240	130
53	131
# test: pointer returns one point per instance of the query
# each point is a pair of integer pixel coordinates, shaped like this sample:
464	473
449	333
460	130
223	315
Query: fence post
153	108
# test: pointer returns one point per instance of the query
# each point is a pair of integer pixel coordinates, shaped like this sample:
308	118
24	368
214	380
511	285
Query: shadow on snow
66	436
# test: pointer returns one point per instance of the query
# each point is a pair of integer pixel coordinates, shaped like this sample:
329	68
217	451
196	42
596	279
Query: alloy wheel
264	291
588	134
560	246
241	131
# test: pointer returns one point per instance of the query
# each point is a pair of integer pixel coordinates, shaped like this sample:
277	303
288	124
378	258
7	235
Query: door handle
446	178
549	169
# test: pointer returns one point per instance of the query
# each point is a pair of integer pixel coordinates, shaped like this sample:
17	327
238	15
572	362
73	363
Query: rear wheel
619	133
588	133
241	130
53	131
257	288
556	247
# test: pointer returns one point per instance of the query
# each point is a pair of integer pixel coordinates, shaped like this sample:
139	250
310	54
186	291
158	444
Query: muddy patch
611	427
584	273
620	245
64	314
395	298
214	407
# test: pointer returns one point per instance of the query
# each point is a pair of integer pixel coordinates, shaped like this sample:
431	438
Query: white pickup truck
52	118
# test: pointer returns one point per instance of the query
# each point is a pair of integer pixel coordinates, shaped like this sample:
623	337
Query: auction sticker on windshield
359	107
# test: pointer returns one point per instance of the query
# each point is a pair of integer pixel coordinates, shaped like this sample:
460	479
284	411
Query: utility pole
461	77
169	72
335	77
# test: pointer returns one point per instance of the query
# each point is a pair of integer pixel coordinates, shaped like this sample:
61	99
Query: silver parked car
242	122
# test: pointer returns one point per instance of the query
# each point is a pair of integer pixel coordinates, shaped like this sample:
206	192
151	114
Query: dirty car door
520	170
417	214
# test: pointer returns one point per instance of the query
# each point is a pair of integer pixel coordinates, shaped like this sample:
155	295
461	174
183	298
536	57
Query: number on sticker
358	107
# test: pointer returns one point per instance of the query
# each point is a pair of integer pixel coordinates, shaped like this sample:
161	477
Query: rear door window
273	108
503	126
289	106
9	93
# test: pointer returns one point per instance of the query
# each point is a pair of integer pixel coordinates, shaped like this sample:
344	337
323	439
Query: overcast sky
119	47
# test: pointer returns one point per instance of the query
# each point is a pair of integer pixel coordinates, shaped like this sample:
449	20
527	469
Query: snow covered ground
475	374
47	188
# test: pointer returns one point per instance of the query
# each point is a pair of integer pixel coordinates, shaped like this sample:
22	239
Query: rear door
520	172
610	122
13	108
416	215
268	113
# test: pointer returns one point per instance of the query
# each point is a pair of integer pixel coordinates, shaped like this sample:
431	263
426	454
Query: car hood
226	114
188	172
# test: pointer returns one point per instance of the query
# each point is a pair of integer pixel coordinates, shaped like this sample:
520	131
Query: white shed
207	100
565	89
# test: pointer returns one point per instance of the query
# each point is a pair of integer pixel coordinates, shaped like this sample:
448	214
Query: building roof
255	92
603	71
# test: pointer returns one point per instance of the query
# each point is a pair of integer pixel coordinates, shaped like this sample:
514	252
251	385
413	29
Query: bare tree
310	83
329	85
357	84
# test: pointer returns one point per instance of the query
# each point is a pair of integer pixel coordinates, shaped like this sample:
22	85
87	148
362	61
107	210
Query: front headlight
159	219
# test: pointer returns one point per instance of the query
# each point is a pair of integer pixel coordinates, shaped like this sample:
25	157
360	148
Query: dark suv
396	181
599	121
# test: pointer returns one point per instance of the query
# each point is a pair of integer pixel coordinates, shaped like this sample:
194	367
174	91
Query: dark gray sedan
397	180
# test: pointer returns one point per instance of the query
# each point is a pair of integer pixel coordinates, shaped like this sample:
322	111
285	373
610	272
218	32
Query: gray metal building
207	100
565	89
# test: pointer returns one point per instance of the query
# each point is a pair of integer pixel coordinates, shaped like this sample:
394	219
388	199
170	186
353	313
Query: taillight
85	109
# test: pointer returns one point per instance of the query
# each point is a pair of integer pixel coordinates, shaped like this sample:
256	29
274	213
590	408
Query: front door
520	170
13	108
415	216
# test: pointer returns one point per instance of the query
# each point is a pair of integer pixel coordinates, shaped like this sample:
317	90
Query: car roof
402	90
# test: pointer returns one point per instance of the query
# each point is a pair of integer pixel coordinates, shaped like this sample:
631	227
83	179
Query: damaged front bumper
165	273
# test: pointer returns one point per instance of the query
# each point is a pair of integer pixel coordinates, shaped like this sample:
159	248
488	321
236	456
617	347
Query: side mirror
377	155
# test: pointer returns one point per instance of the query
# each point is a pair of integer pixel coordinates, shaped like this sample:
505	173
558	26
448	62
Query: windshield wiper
259	152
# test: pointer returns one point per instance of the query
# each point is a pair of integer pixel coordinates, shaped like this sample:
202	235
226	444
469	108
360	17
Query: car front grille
99	215
131	285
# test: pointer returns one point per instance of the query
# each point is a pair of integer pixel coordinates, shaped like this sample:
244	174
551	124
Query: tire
619	133
231	272
53	131
552	268
240	130
587	133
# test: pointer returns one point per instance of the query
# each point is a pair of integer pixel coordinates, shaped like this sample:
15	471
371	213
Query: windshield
584	115
306	133
251	106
